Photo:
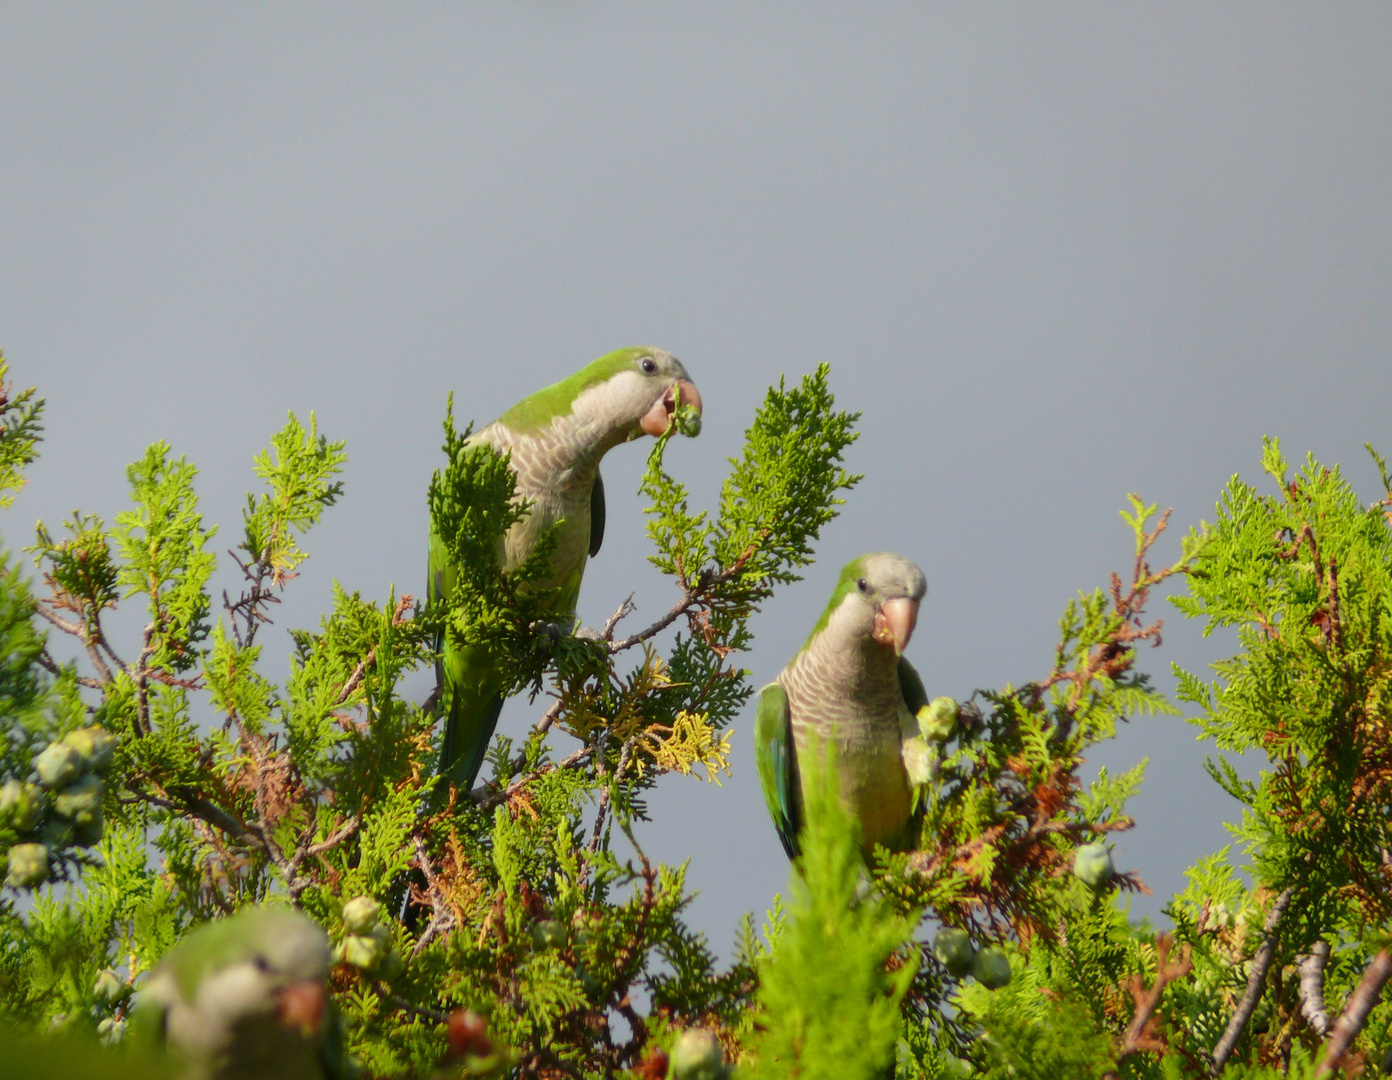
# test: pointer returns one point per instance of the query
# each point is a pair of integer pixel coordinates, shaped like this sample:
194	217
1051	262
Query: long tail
470	704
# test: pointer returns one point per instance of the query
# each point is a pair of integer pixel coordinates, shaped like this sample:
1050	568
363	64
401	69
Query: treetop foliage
152	783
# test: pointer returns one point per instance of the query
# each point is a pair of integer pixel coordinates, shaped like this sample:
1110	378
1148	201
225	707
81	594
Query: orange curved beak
301	1006
657	419
895	622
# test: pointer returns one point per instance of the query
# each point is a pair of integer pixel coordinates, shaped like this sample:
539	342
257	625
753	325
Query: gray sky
1052	254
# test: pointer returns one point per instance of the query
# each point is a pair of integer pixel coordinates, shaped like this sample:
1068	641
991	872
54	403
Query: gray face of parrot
883	605
648	390
245	996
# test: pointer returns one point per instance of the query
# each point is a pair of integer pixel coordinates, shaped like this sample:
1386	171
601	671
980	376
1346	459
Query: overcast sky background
1052	254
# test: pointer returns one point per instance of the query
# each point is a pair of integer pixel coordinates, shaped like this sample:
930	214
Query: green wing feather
776	757
911	686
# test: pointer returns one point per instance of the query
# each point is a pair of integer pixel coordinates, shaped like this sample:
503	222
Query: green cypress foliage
150	782
841	961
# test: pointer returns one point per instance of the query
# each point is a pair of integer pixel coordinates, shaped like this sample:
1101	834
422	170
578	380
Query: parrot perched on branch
244	997
851	689
557	438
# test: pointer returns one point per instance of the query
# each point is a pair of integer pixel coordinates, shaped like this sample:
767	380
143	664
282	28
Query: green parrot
851	686
557	438
244	997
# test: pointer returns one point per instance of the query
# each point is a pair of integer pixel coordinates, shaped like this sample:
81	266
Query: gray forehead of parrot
891	575
282	942
667	364
295	947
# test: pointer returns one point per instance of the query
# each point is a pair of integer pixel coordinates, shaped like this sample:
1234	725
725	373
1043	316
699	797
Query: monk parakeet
244	997
557	438
851	687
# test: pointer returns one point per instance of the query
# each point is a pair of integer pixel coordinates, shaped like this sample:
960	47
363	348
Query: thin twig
1261	964
439	912
548	718
635	947
210	813
75	629
1139	1035
248	605
693	595
487	797
624	610
541	727
676	611
604	797
51	666
142	680
347	829
356	678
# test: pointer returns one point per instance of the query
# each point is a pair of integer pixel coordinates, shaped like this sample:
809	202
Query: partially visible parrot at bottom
850	688
557	438
244	998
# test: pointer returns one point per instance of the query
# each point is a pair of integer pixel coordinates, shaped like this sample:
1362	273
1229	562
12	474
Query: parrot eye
649	365
862	586
260	964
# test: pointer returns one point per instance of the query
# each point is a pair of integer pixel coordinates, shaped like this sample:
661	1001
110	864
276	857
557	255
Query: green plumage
776	759
556	439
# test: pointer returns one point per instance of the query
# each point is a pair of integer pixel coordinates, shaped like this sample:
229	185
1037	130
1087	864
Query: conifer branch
441	918
604	796
1112	657
355	679
488	796
1141	1033
694	596
1311	968
1261	964
1356	1011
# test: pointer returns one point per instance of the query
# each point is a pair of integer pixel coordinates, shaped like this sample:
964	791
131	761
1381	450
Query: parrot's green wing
470	694
596	514
776	758
911	686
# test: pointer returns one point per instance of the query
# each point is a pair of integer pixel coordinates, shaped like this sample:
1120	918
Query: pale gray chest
556	475
844	691
853	699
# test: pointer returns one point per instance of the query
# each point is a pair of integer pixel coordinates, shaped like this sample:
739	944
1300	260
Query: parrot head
645	390
242	986
876	600
626	394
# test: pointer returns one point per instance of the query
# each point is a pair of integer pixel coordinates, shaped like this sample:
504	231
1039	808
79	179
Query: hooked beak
894	623
301	1006
657	419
